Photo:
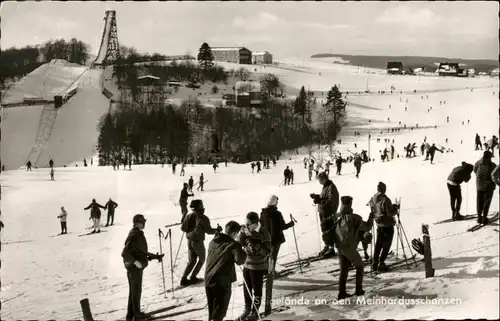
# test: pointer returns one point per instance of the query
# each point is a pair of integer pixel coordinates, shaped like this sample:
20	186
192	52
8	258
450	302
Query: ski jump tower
108	50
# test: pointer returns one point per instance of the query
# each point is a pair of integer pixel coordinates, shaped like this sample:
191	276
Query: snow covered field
44	277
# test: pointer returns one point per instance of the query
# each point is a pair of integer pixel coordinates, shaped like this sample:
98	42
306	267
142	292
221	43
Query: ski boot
344	295
457	216
194	280
267	310
485	220
382	267
184	282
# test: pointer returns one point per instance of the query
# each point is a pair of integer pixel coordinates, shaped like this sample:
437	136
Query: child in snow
63	217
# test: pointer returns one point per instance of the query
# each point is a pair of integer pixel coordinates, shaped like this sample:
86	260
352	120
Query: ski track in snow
41	274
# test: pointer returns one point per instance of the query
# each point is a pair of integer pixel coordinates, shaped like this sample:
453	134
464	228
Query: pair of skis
480	225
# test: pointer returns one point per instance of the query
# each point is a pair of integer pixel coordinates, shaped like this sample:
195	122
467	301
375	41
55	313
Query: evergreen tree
205	57
335	110
105	140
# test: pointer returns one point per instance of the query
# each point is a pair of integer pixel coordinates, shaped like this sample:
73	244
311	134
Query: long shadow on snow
215	190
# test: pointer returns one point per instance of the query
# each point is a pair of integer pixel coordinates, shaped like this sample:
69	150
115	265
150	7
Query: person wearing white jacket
63	217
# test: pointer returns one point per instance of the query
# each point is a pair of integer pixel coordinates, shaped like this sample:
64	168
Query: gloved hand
292	223
396	206
138	264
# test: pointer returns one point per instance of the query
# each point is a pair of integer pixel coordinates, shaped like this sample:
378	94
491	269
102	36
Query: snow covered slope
48	80
45	277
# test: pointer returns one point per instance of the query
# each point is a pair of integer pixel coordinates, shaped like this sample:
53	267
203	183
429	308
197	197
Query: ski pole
162	269
296	245
318	226
178	249
171	264
250	293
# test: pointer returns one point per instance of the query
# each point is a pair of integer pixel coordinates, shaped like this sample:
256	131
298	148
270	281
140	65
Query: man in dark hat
135	258
346	230
485	186
328	203
196	225
383	211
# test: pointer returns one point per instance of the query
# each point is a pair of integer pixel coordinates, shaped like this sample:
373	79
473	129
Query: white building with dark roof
262	57
239	55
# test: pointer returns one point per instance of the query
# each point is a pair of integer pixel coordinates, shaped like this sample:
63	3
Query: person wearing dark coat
383	212
95	215
432	150
272	221
183	200
484	185
457	176
338	163
328	203
135	258
51	163
196	225
28	166
357	165
256	243
345	230
495	175
110	206
223	252
478	142
190	184
286	174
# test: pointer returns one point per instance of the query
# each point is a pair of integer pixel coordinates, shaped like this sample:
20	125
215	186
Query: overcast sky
286	29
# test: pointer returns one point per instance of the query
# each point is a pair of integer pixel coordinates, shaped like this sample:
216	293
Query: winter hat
196	204
253	217
381	187
487	154
346	200
139	218
273	201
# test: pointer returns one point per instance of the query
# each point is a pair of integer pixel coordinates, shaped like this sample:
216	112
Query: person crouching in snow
273	222
63	217
457	176
257	245
343	230
223	252
95	215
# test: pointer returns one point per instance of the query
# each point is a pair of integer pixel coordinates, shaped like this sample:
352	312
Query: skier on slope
478	142
196	225
433	150
183	171
51	163
272	221
135	258
190	184
28	166
215	166
95	215
291	177
338	163
110	206
357	164
252	165
183	200
383	211
457	176
257	245
484	185
258	166
305	162
286	175
63	217
392	151
201	182
345	230
224	251
310	171
328	203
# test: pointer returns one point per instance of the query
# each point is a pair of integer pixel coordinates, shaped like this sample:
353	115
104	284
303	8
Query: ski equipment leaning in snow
195	225
457	176
223	252
328	203
135	258
256	243
345	230
384	212
63	217
95	215
273	222
485	186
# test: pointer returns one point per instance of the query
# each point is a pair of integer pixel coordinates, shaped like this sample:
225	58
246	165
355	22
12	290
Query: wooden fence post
87	314
429	270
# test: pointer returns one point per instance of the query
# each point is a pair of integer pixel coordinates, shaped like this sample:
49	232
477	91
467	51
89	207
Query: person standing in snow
286	176
183	171
190	184
392	151
110	206
63	217
258	166
92	162
478	142
52	173
432	150
200	183
457	176
383	211
51	163
223	252
257	245
495	175
338	163
327	167
357	165
272	221
135	259
95	215
484	185
328	203
291	177
305	162
215	166
345	230
28	166
183	200
195	225
253	166
310	171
